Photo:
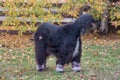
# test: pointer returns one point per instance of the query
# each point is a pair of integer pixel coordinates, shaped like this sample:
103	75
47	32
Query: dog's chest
76	50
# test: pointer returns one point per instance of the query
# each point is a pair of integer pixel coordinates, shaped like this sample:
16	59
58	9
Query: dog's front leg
60	64
77	56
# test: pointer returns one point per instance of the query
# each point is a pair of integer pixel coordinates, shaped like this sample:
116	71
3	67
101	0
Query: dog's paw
59	68
40	68
76	67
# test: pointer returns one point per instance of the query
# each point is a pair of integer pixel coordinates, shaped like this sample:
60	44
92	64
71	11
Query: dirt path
17	41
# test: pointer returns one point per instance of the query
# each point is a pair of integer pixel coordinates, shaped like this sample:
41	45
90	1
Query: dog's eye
93	25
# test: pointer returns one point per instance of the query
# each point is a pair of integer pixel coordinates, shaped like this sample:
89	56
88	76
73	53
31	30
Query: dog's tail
41	33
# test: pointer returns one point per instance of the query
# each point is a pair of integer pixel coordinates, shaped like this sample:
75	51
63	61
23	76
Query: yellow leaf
118	32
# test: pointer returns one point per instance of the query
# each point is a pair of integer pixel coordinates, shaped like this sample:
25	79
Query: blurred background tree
24	15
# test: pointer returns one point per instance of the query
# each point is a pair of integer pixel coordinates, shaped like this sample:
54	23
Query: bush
25	15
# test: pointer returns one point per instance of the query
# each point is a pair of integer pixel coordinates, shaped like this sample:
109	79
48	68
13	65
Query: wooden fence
28	20
3	18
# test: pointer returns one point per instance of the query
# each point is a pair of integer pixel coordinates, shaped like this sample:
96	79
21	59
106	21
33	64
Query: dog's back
44	30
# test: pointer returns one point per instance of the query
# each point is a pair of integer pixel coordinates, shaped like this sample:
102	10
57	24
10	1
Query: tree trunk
104	22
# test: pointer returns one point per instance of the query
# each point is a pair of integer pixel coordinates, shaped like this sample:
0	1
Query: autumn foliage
24	15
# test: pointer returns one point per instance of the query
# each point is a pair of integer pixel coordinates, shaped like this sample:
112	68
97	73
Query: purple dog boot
76	67
59	68
40	68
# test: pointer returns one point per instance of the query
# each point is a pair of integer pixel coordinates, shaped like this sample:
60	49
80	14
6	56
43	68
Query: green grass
99	62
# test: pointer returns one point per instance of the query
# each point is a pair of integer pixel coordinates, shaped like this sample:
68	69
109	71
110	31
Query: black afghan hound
62	41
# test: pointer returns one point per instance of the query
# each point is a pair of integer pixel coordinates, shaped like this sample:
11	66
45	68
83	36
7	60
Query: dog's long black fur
61	41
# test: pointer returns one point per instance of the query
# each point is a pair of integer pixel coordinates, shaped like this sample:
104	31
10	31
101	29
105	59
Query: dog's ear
95	24
85	8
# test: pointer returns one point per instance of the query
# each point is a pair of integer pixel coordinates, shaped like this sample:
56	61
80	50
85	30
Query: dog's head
88	23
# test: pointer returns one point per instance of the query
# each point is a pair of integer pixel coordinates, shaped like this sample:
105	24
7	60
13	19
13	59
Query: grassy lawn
99	62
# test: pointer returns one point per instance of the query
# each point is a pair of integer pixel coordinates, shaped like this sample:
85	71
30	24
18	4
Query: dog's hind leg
40	54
